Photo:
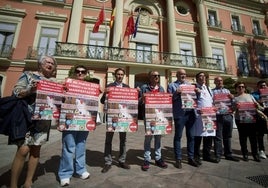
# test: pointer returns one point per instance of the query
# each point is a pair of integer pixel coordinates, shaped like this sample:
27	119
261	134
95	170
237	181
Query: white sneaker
85	175
65	182
262	154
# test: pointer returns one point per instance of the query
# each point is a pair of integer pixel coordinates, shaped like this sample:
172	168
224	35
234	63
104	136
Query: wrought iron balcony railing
6	51
238	28
214	23
126	55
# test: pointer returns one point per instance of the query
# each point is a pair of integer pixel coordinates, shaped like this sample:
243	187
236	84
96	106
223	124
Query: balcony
214	24
6	51
238	29
259	33
103	55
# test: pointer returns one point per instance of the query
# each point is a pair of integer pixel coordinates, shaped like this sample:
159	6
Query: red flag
99	21
112	18
130	26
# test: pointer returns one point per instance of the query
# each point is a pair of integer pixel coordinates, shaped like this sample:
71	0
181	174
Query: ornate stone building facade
227	38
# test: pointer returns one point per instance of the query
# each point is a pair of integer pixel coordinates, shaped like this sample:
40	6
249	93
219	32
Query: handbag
262	116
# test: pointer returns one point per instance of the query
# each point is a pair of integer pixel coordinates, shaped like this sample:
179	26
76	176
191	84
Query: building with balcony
220	37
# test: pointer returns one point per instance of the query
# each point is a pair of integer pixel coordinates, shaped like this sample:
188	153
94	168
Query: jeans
108	147
73	158
223	135
147	147
188	121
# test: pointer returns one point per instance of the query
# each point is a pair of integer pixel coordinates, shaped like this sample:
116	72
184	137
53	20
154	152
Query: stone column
75	20
172	38
118	22
206	48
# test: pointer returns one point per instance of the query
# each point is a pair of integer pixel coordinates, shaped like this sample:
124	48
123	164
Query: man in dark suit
119	75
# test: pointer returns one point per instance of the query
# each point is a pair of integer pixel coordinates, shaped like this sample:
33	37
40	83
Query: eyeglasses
240	86
80	71
155	75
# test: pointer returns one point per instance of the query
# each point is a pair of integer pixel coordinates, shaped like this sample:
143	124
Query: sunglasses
240	86
156	75
80	71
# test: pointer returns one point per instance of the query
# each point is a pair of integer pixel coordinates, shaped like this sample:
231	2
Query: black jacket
15	117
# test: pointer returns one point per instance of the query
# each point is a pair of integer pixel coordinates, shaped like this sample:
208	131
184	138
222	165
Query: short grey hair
43	57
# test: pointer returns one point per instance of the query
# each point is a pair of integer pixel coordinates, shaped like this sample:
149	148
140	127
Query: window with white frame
96	43
256	27
218	54
235	23
47	41
143	53
212	18
7	33
186	50
242	63
263	62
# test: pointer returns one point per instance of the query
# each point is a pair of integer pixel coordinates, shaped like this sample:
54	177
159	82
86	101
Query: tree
229	84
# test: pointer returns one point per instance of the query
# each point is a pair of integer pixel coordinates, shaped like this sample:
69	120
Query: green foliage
229	84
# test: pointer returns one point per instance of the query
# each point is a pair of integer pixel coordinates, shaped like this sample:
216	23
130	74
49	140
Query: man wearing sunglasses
261	128
154	87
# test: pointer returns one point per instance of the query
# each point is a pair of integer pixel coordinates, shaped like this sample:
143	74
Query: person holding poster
259	96
152	87
38	131
74	145
204	100
119	76
223	102
183	117
245	111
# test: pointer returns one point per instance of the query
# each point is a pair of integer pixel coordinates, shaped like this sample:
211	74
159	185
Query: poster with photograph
188	96
264	97
247	112
158	113
223	103
48	101
205	124
122	109
80	106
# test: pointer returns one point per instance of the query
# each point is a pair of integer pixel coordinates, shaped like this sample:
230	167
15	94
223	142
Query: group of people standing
72	161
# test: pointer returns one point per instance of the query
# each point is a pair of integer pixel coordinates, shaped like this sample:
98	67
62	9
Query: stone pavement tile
224	174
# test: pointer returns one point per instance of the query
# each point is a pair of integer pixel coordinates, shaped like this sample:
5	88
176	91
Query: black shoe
198	161
124	165
192	162
245	157
178	164
106	168
212	160
256	158
231	158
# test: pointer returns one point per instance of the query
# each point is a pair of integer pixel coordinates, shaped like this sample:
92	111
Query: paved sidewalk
225	174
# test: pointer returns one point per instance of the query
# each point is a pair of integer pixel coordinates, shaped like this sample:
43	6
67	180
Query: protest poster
223	103
48	101
122	109
188	96
247	112
205	124
158	113
264	97
80	106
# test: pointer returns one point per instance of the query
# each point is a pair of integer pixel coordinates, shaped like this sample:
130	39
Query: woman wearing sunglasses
245	121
